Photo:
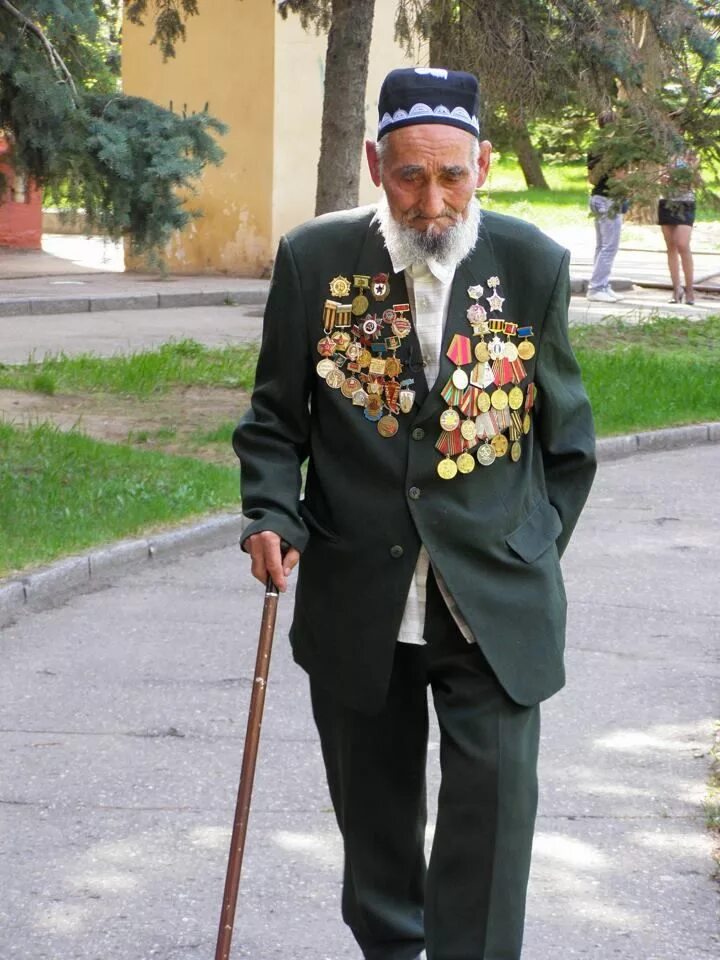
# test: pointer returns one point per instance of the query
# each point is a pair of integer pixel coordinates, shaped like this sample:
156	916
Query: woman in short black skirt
676	216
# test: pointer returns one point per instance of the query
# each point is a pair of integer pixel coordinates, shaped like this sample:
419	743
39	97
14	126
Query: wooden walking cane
247	772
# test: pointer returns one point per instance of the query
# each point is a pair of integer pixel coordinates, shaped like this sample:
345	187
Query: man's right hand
267	559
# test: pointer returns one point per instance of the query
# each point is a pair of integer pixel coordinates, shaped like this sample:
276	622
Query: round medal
482	354
526	423
326	347
374	404
500	445
468	430
515	398
496	347
526	350
335	378
364	358
482	402
460	378
499	399
325	367
449	419
465	463
485	455
388	426
447	469
389	315
515	451
511	351
349	387
360	305
373	417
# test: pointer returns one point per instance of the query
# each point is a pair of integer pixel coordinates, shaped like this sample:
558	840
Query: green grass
62	492
140	374
650	375
565	204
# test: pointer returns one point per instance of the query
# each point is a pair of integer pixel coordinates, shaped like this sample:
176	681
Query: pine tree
127	161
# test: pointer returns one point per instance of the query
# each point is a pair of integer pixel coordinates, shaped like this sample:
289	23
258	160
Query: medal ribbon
459	350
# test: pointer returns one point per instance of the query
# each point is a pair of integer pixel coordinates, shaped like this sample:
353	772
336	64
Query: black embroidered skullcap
429	95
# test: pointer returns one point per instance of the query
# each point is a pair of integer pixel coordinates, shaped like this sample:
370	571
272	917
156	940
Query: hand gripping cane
247	772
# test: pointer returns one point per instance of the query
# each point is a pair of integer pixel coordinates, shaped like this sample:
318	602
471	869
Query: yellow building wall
299	78
227	61
263	76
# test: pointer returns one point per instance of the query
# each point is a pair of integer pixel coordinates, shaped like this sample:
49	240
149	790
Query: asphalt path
122	716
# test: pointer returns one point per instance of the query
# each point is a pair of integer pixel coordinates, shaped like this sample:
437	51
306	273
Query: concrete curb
578	285
50	586
54	584
42	306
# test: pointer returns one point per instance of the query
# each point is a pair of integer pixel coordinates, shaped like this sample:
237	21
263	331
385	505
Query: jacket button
414	493
418	433
396	551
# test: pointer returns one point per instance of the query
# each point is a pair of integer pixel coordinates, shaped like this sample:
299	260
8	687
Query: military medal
500	445
388	426
407	396
335	378
329	314
465	463
340	286
495	301
485	455
326	347
325	367
447	469
343	318
449	419
515	398
469	431
482	354
475	291
349	387
360	303
380	286
515	451
526	350
499	399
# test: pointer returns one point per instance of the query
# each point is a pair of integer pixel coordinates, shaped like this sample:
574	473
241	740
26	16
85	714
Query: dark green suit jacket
495	535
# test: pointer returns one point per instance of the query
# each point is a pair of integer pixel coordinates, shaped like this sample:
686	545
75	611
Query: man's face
428	175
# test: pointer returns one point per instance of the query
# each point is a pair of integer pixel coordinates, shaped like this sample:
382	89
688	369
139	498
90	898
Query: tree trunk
528	157
343	119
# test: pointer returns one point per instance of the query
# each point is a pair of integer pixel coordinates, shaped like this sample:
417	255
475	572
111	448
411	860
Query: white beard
413	246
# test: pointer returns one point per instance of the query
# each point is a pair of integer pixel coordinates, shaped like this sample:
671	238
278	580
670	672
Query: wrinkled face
429	173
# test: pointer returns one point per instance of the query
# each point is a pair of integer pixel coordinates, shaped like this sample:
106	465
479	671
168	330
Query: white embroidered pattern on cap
423	110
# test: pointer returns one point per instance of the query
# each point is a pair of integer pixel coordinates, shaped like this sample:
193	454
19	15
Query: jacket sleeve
272	438
564	418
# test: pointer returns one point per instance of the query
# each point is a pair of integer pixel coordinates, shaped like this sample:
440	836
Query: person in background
608	214
676	216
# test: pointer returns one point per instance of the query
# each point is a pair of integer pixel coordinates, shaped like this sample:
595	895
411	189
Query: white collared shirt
429	285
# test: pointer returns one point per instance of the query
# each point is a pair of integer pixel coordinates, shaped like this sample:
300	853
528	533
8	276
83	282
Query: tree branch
56	61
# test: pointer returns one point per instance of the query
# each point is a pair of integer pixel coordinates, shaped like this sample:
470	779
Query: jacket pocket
314	526
537	533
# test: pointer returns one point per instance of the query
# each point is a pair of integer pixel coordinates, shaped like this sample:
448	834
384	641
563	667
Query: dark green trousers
468	903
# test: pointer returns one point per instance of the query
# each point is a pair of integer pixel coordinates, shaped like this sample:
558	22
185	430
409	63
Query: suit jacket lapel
374	258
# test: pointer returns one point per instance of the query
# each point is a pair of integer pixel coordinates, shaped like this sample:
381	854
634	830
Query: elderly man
416	356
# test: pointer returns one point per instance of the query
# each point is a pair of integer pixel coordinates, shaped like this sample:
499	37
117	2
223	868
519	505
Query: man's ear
484	161
373	161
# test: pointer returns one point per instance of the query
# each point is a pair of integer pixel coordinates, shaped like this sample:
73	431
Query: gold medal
515	451
468	430
449	419
500	445
447	469
374	404
526	423
325	367
342	340
482	354
388	426
340	287
515	398
335	378
485	455
349	387
465	463
364	358
482	402
393	367
460	379
499	399
526	350
360	305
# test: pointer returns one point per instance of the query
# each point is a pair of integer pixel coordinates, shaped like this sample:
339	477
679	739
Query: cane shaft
247	773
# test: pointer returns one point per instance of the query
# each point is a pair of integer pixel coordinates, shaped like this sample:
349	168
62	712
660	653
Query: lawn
62	491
